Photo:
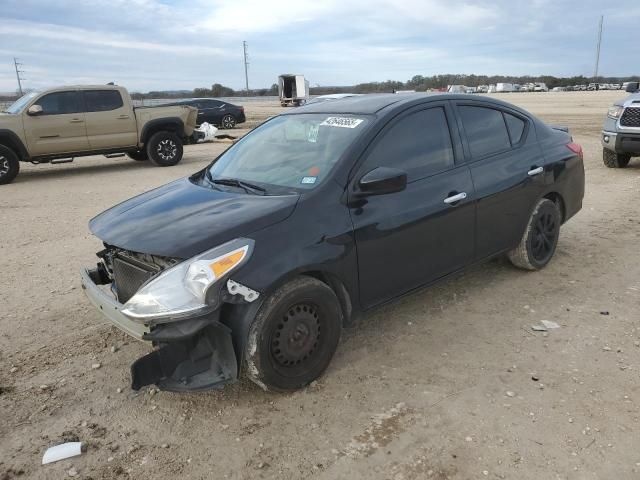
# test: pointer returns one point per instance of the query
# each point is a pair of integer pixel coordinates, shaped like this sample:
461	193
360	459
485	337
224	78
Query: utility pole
18	72
246	65
595	74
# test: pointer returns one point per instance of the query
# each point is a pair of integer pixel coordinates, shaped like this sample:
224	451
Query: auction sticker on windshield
344	122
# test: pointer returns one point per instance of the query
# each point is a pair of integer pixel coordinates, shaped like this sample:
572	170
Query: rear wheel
615	160
9	165
540	239
294	335
164	149
138	155
228	121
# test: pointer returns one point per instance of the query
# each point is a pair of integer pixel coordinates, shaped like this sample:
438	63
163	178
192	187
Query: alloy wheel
544	237
228	122
297	335
167	149
4	166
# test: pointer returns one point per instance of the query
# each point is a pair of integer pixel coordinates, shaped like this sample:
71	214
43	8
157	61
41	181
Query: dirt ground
449	383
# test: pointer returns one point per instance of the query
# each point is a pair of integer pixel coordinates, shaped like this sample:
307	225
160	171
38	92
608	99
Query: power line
246	65
18	73
595	74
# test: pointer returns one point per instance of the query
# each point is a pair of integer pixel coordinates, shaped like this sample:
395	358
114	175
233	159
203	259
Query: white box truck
293	90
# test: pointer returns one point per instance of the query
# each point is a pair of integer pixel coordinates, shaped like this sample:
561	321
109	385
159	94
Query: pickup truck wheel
540	239
164	149
615	160
9	165
228	121
294	335
138	156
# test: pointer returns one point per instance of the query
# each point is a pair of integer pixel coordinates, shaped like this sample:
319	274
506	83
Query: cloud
170	44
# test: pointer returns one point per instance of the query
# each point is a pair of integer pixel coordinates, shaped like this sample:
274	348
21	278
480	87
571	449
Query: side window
516	127
419	143
102	100
60	103
485	129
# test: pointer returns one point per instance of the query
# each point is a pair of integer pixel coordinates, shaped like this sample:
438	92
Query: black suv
216	112
257	261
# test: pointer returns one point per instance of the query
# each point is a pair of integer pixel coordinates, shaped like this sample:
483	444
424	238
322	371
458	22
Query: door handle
455	198
123	117
535	171
76	120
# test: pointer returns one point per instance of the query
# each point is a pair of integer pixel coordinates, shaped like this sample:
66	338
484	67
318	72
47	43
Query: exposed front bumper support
193	354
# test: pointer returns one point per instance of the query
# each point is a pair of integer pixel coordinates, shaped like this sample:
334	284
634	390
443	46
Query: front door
412	237
111	123
60	128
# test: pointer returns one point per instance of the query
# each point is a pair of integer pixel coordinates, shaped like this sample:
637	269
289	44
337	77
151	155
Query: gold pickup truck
58	124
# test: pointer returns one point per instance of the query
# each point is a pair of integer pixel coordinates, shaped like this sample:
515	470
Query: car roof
376	102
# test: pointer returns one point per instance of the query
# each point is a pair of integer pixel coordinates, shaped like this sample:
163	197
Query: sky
171	44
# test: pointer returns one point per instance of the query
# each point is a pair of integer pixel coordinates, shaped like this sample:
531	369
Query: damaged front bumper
191	354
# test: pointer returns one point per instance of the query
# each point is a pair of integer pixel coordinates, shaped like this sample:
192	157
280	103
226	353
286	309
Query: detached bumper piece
198	355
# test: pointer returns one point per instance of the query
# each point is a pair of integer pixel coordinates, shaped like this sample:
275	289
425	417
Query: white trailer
293	90
504	87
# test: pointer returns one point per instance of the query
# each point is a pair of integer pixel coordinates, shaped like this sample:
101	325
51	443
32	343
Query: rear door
110	120
60	128
210	111
409	238
507	167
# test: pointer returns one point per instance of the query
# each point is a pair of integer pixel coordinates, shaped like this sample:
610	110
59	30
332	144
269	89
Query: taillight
577	149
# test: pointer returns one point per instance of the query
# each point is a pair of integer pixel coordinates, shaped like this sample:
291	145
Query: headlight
185	289
615	111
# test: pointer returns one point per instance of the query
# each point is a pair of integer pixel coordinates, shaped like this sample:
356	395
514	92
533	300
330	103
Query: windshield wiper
234	182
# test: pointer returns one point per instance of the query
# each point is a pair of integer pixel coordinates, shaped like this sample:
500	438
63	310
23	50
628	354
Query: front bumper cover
191	355
621	142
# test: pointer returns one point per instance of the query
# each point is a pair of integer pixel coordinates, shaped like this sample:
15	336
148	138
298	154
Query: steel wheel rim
4	166
228	122
544	234
167	149
297	335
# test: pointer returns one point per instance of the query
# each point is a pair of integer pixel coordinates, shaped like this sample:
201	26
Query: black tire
294	335
9	165
540	239
164	149
228	122
138	155
615	160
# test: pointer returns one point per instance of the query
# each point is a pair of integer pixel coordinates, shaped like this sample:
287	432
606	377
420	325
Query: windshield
294	151
19	104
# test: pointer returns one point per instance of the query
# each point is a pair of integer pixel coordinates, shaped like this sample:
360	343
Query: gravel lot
449	383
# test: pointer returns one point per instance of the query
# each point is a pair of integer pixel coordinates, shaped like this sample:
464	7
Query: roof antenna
110	83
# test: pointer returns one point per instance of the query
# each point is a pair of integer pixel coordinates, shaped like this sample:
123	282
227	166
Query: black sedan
256	262
216	112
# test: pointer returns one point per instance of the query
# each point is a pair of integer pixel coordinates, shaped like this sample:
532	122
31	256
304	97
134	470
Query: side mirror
383	180
633	87
35	110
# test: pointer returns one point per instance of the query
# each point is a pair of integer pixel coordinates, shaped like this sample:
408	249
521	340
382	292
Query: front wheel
228	121
164	149
294	335
615	160
9	165
540	239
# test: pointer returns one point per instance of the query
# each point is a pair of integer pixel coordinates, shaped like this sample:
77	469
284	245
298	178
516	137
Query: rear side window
419	144
59	103
485	129
102	100
516	127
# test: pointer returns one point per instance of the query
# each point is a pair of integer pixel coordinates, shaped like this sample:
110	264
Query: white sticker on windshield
312	134
344	122
309	180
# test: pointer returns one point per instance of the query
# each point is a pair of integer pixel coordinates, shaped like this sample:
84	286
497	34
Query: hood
634	98
182	219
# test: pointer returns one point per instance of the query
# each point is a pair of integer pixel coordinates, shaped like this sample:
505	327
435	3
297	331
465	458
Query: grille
630	117
128	278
